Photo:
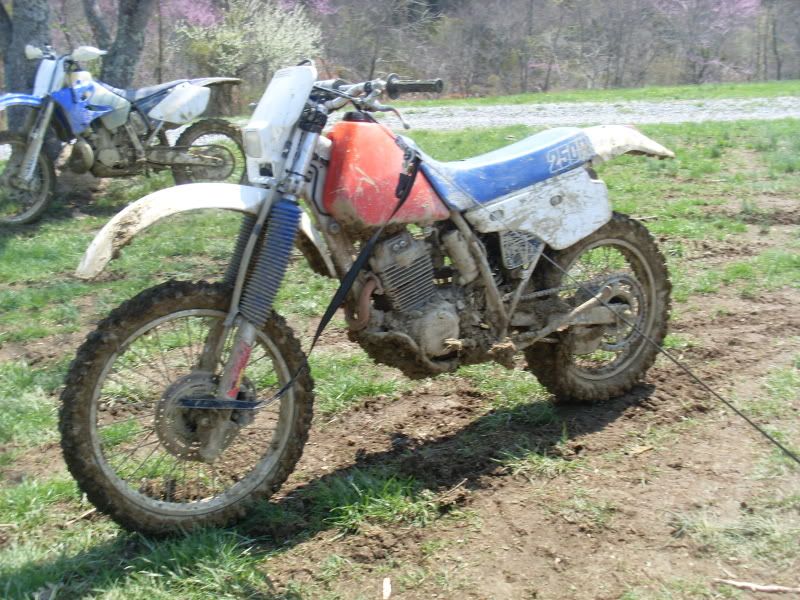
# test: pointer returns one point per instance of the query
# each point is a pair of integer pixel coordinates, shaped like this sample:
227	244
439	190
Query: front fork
35	143
231	379
262	264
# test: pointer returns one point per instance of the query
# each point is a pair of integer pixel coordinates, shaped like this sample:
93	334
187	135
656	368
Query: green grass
348	501
27	412
683	588
373	497
30	503
535	464
342	380
780	393
769	89
768	535
677	341
514	395
769	271
586	510
687	201
96	562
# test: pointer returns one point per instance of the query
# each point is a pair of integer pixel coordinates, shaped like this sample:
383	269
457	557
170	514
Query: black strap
411	162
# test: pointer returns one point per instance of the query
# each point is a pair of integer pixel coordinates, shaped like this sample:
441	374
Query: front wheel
144	459
214	138
598	362
22	202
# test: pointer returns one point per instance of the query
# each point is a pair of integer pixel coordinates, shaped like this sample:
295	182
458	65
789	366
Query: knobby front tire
17	206
137	453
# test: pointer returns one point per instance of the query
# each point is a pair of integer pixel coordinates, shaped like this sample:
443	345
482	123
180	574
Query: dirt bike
192	401
113	132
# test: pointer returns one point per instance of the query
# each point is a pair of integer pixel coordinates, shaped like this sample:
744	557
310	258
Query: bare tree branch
5	29
99	29
755	587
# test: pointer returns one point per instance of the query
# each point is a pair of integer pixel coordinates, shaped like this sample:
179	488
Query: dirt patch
764	209
648	460
645	463
42	462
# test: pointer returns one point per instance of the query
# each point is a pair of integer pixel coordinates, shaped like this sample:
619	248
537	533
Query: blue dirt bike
112	132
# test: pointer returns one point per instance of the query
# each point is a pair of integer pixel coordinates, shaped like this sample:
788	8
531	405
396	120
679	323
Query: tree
251	34
366	37
701	29
126	47
27	24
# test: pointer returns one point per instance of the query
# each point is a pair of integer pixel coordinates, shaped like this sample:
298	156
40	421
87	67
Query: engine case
405	269
438	323
107	150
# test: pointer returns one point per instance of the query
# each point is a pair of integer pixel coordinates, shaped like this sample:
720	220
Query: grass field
767	89
585	492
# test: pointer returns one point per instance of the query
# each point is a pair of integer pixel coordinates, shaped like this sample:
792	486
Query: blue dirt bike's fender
7	100
138	216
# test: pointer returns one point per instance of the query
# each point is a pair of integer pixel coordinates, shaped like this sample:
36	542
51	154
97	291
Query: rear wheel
598	362
21	202
148	462
216	139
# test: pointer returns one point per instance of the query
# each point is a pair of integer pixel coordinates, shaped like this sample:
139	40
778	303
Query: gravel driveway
600	113
583	113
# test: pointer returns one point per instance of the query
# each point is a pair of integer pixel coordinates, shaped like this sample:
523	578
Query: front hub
198	434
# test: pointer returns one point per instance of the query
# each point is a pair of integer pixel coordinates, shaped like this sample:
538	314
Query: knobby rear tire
218	127
554	364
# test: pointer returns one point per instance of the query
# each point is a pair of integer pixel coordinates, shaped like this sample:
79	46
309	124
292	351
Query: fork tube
35	142
255	290
240	354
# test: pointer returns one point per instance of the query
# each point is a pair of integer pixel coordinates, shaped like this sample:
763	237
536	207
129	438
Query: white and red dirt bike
192	401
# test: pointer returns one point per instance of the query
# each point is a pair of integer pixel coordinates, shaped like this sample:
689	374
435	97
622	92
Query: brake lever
375	105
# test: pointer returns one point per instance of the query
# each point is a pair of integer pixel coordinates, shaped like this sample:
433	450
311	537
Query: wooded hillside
478	46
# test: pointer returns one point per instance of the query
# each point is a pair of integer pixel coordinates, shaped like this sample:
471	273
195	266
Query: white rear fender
610	141
140	215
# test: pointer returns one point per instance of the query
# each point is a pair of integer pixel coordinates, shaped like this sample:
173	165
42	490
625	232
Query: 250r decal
568	155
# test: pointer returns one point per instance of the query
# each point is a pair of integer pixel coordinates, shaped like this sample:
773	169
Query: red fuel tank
364	168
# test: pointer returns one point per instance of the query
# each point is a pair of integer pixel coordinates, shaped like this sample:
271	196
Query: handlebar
336	93
396	86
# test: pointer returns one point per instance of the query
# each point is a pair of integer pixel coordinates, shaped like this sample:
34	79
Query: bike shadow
467	460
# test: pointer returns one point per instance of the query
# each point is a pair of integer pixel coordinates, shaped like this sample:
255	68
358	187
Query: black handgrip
396	86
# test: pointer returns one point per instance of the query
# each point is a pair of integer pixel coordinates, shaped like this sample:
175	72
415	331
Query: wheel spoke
147	452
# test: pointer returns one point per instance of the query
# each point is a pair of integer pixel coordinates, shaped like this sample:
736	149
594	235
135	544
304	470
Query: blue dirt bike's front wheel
22	201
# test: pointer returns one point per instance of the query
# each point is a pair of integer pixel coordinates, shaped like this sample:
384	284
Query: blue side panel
529	161
7	100
146	104
75	107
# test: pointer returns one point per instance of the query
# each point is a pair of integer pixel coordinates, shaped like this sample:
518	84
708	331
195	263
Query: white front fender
610	141
120	230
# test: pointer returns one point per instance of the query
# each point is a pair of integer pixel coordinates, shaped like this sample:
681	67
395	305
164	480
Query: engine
412	302
113	147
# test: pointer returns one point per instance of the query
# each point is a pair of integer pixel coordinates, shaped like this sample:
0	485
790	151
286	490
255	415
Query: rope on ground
680	365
